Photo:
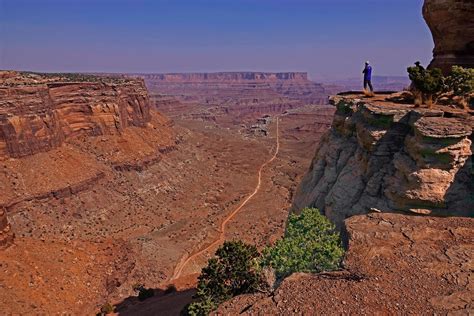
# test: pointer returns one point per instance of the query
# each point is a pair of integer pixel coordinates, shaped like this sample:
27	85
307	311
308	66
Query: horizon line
197	72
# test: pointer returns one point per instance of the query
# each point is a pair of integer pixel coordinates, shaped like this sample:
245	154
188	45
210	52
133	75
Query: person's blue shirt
367	72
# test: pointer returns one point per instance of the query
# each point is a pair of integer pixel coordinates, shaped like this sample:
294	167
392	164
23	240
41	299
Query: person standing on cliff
368	79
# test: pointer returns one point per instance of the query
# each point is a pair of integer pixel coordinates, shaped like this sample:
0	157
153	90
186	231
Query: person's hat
367	62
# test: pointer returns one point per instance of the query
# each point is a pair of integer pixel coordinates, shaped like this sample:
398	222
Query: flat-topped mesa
6	234
391	157
39	112
227	76
239	88
452	26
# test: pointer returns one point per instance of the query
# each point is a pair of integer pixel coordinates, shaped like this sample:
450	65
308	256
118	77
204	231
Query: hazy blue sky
327	38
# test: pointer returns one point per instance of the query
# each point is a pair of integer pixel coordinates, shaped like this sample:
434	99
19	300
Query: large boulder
452	24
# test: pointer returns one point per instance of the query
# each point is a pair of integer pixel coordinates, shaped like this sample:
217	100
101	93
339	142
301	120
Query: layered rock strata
245	87
452	26
6	234
38	113
391	157
228	76
66	132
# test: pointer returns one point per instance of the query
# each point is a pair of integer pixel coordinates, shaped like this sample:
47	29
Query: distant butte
103	192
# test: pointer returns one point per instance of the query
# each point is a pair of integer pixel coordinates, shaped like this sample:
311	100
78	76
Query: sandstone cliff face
37	115
6	234
391	157
41	119
80	147
395	265
452	25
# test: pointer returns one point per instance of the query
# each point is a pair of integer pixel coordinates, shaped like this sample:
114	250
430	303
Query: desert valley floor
109	212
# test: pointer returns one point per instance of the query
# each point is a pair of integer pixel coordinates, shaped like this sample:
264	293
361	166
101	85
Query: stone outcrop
38	113
452	25
395	264
391	157
6	234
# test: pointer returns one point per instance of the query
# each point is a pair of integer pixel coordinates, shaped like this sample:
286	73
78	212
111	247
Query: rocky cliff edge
395	264
391	157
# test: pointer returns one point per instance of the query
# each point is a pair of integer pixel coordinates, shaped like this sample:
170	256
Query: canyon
109	181
227	98
232	96
397	181
100	186
124	194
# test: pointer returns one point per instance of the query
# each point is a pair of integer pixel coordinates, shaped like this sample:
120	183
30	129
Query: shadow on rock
164	302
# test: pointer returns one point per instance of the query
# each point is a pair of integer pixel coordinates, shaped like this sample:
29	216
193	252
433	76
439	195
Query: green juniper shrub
310	244
202	307
233	271
427	82
461	84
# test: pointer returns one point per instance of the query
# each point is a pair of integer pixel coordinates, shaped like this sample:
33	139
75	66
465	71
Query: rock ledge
392	157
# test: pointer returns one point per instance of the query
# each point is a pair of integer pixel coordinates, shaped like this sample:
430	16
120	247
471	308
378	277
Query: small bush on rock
233	271
461	84
202	307
310	244
427	82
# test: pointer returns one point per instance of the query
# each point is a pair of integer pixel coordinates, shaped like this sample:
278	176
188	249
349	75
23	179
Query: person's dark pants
369	83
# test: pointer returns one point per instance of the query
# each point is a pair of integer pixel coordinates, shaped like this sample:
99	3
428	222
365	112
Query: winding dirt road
183	263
